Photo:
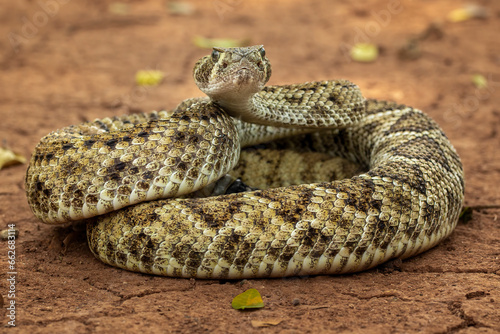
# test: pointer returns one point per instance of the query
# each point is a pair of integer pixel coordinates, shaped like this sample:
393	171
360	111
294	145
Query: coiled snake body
115	170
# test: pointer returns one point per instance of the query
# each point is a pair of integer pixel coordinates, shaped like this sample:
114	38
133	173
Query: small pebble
296	301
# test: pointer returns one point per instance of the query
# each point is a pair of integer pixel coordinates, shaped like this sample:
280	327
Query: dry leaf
364	52
180	8
208	43
118	8
149	77
266	322
467	12
479	81
9	158
248	299
10	232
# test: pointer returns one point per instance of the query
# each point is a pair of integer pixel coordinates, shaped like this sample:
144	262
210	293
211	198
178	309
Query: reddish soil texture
63	62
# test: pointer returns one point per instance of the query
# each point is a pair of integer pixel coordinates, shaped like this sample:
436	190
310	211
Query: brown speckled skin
407	201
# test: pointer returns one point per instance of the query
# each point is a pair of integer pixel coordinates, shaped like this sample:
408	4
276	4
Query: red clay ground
63	62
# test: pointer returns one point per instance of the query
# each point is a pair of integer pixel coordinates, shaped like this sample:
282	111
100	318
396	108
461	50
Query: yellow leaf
118	8
149	77
266	322
9	158
208	43
248	299
479	81
364	52
467	13
180	8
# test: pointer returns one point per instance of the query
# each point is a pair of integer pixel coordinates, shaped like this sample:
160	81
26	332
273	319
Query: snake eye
215	55
262	52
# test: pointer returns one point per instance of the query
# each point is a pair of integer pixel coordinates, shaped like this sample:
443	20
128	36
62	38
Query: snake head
232	74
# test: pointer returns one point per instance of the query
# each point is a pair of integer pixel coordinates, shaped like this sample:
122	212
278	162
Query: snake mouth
247	76
244	76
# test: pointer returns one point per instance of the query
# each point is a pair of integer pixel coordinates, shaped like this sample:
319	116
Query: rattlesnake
407	200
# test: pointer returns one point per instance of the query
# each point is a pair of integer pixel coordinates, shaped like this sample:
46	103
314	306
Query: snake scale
158	199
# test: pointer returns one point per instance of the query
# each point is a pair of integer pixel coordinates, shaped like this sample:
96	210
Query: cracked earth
63	62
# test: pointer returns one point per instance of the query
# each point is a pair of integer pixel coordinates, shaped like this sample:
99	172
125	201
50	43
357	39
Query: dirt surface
63	62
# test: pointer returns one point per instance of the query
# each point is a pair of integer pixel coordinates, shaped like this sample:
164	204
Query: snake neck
257	109
325	104
251	109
